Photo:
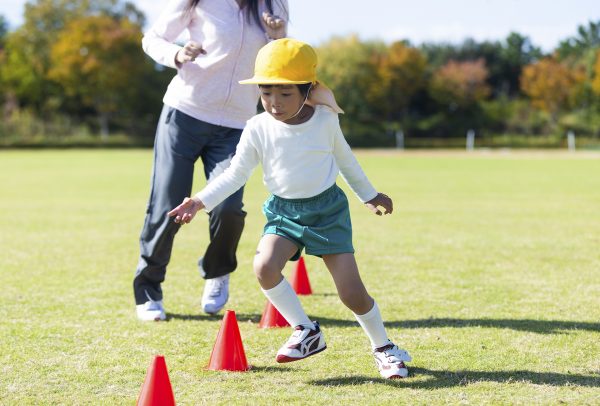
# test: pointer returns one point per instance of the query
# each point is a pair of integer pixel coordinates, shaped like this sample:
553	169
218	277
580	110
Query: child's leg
388	357
271	256
352	292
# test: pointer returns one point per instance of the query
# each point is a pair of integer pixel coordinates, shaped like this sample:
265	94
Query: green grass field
488	272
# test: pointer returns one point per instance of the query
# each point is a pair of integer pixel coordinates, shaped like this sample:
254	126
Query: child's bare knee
264	269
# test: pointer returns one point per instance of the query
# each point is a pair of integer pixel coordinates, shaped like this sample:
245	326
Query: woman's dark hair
251	4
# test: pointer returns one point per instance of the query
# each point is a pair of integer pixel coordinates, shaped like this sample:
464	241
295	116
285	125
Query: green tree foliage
349	67
401	72
28	48
517	52
596	81
503	59
28	51
3	31
587	38
72	57
96	60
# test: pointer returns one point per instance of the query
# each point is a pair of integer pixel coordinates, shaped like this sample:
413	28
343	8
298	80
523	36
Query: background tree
28	51
3	31
460	84
517	52
459	87
586	39
552	86
27	61
596	81
349	67
401	71
97	60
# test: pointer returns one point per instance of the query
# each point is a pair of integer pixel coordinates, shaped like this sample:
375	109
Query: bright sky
546	22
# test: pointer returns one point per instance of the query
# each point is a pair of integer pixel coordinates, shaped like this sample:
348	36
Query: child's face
281	101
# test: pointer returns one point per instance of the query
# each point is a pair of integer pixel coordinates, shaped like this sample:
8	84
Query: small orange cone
272	318
228	352
156	390
300	281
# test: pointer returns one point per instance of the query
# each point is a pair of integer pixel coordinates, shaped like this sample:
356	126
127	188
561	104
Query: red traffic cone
300	281
272	318
156	390
228	352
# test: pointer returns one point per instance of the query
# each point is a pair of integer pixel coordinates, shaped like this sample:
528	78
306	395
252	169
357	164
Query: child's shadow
534	326
447	379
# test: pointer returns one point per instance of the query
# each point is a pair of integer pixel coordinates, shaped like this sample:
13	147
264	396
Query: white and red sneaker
390	361
303	343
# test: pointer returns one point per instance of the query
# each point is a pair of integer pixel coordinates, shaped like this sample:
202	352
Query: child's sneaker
390	361
303	343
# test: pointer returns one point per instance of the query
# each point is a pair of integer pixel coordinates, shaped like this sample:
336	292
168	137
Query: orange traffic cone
272	318
156	390
228	351
300	281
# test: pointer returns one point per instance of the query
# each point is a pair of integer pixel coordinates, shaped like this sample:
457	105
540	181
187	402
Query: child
302	149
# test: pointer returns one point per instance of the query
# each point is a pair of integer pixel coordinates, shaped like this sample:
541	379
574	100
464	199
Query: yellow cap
284	61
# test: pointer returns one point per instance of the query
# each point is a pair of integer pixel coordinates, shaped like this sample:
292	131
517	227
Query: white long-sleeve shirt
299	161
207	88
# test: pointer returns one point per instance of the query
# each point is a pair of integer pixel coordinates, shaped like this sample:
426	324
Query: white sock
287	303
372	323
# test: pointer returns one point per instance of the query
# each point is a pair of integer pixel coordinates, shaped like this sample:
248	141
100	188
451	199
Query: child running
302	149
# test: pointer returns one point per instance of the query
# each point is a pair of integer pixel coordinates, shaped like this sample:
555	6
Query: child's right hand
185	212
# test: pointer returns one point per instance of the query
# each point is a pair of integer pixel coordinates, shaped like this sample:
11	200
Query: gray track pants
180	141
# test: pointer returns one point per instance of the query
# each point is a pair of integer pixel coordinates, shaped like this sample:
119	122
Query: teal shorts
320	224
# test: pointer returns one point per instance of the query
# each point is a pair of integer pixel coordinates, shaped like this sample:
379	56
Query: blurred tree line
75	68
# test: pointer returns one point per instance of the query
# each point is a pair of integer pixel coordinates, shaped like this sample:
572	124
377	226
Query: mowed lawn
487	272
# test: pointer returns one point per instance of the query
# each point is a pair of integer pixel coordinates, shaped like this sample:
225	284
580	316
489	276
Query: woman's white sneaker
152	310
216	294
303	343
390	361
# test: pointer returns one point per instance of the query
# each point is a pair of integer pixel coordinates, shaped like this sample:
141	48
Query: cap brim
258	80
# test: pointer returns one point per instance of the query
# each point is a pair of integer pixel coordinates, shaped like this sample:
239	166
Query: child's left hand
380	200
275	26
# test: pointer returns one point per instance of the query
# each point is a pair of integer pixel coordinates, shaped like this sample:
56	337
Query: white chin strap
303	103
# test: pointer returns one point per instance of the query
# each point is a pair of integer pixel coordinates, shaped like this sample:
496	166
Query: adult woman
204	113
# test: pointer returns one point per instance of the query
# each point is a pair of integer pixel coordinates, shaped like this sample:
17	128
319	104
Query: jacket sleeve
158	41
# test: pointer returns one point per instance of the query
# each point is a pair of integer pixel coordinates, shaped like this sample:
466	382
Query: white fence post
470	140
571	140
400	139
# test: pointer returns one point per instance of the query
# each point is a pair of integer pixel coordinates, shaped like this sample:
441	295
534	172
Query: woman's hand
383	201
275	26
185	212
189	52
